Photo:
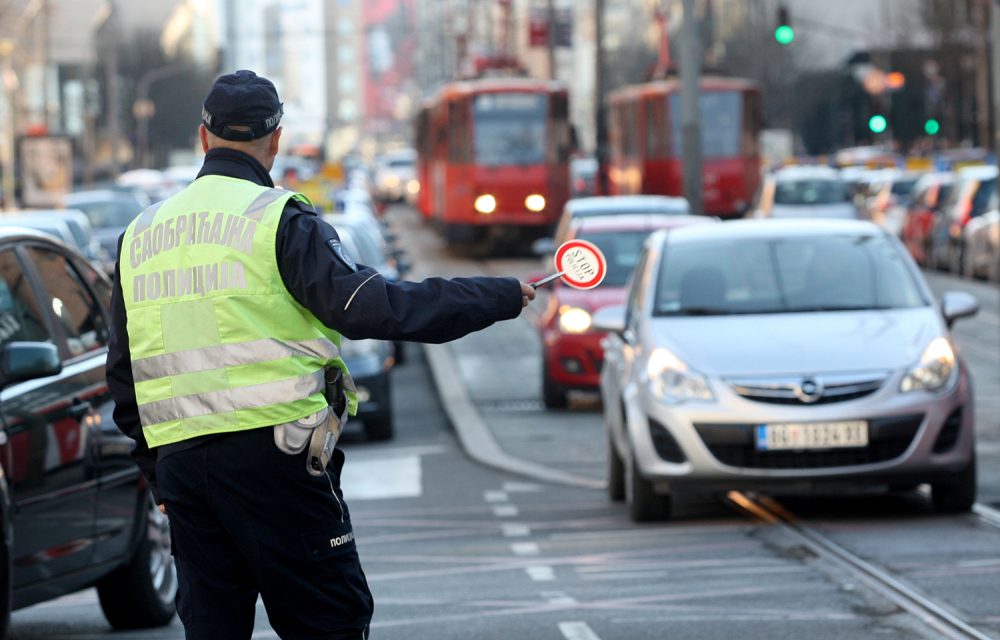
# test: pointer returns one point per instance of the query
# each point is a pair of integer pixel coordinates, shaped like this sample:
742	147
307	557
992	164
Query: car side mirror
21	361
609	319
958	304
543	247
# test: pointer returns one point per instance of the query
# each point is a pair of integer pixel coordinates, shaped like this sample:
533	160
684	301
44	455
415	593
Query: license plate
812	435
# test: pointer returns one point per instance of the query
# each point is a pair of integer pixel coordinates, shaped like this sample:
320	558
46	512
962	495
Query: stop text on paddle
579	263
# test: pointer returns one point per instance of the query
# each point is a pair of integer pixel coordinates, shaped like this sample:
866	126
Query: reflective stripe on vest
218	344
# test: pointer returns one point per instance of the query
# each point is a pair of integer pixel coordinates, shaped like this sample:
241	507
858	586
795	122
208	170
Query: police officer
229	302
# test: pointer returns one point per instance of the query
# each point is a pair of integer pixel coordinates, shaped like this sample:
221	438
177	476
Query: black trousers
247	519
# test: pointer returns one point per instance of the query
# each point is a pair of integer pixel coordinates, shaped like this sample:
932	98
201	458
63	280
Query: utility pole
995	20
981	18
551	37
600	89
691	108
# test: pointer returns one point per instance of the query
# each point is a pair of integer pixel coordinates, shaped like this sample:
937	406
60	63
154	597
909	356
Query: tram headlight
535	202
485	203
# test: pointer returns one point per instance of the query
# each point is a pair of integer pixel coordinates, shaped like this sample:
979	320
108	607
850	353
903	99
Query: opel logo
809	390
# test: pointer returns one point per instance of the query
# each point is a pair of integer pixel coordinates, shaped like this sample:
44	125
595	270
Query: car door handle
79	408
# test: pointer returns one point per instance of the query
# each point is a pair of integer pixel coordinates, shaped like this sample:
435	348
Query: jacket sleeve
362	304
122	387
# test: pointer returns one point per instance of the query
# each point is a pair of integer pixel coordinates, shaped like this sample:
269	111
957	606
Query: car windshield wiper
840	307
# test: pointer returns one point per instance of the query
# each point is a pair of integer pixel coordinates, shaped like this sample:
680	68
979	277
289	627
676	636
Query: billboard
46	164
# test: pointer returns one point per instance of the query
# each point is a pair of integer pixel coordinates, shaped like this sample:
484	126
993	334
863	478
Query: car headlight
358	348
574	319
934	371
413	187
673	382
485	203
535	202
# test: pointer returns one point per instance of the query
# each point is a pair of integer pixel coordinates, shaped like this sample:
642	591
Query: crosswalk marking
577	631
541	573
398	476
514	530
525	548
505	511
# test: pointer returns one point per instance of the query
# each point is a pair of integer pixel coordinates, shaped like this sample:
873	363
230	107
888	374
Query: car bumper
912	438
574	360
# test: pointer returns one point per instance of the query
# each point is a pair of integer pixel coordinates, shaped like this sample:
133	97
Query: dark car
76	512
370	361
110	211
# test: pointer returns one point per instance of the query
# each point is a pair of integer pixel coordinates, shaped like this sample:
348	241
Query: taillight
580	184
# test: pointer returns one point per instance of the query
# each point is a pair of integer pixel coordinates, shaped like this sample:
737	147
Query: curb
474	434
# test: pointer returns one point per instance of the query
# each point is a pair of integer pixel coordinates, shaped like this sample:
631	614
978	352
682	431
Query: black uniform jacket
435	310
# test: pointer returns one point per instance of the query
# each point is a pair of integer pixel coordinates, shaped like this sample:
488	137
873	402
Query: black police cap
245	100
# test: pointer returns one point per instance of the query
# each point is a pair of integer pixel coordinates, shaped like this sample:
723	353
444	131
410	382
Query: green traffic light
877	123
784	34
932	127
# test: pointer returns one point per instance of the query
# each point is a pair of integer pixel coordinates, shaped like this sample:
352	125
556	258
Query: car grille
733	445
825	389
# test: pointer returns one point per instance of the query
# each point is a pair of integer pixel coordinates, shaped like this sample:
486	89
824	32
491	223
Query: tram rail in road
934	614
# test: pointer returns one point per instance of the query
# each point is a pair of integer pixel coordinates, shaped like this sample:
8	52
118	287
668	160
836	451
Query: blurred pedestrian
229	302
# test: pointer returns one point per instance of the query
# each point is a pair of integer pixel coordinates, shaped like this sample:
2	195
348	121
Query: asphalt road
456	549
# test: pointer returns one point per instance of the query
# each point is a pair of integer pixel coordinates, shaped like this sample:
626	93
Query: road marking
577	631
376	479
541	573
987	513
505	511
559	598
495	496
521	487
512	530
525	548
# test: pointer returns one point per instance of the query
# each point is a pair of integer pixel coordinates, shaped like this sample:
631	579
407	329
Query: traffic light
877	123
932	126
784	34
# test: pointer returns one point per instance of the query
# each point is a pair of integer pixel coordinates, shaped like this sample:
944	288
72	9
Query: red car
930	192
572	352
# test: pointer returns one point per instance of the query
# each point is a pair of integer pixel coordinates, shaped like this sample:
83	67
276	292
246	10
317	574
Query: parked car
889	193
969	199
804	192
396	175
369	361
784	354
571	347
982	243
929	194
109	212
76	511
583	177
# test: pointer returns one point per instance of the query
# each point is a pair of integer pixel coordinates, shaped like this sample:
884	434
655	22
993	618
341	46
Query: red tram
493	157
646	145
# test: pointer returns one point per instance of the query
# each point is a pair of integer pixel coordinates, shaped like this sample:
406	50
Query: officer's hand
527	294
163	508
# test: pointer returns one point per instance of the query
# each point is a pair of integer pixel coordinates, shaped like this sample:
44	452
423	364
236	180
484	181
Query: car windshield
980	201
785	275
108	214
621	249
510	128
903	187
812	191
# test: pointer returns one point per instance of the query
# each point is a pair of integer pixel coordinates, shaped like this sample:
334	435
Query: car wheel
616	473
644	504
956	494
141	594
553	395
6	590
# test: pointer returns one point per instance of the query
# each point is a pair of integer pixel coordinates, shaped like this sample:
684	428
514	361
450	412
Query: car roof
769	228
799	173
978	172
15	232
635	222
626	203
99	195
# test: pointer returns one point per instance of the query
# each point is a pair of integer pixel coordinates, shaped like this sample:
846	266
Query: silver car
784	353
